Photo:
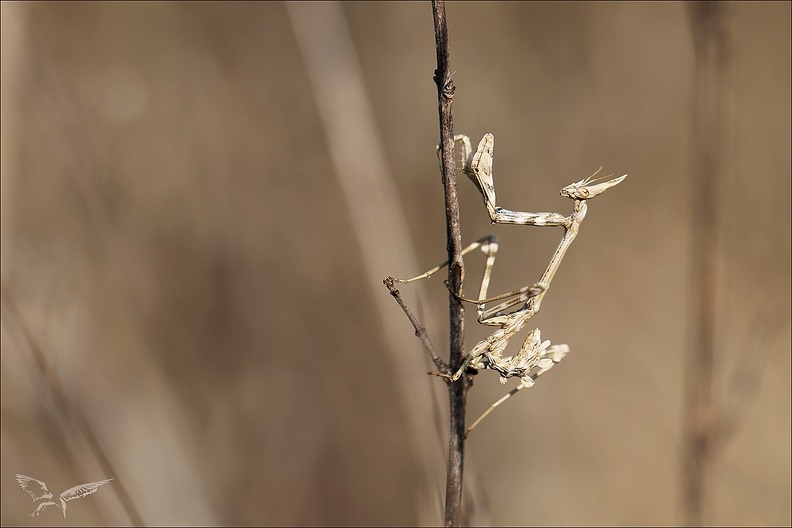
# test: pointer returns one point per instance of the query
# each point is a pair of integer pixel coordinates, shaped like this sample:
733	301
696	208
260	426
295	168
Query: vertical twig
710	47
457	391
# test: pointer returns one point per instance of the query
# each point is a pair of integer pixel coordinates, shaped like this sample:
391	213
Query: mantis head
589	188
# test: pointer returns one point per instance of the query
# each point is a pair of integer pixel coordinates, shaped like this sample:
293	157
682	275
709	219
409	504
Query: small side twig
420	330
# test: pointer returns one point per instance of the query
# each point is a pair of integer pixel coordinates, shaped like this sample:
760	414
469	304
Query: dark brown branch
458	390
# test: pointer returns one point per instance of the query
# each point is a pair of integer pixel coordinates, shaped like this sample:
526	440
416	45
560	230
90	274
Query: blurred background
199	202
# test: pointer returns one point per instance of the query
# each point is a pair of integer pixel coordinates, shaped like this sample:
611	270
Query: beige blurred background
178	241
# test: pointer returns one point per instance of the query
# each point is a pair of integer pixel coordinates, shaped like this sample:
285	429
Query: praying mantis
535	356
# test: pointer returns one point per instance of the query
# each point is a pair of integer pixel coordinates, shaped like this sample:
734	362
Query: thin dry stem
69	408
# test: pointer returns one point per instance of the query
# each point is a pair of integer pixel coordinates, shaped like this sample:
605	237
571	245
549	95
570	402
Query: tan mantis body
535	356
